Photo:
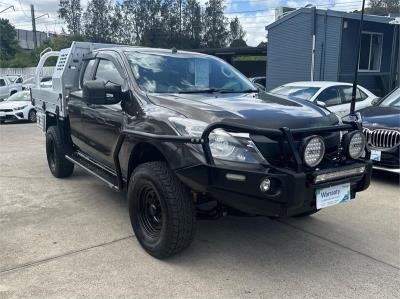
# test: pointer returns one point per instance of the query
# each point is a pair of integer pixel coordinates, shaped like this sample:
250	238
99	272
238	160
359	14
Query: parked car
381	124
17	107
336	96
184	132
8	87
45	82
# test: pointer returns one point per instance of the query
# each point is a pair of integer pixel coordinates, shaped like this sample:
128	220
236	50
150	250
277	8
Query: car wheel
59	166
161	211
306	214
32	116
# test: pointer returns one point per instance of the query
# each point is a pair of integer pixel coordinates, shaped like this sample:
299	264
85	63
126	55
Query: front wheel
32	116
59	166
161	211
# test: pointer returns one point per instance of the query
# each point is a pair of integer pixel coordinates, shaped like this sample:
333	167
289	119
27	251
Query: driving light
354	144
265	185
313	150
339	174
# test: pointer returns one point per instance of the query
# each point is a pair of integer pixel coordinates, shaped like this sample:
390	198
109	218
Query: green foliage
216	34
8	42
383	7
97	21
71	11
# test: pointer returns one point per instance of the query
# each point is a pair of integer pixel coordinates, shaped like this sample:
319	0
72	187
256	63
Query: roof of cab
153	51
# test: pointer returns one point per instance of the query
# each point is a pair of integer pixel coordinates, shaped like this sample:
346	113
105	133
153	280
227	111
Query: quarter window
108	72
2	82
371	51
330	97
348	91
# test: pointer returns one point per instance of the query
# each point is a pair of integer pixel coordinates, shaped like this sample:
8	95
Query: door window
347	92
88	75
2	82
108	72
330	97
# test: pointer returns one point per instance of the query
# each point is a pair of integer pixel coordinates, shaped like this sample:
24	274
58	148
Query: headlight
235	147
20	107
354	144
313	150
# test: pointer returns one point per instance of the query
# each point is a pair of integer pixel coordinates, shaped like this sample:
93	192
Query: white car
335	96
8	87
17	107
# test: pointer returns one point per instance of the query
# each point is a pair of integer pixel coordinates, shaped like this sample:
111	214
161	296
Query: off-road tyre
59	166
161	211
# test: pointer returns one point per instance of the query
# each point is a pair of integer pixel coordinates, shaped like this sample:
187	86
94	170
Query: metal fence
27	71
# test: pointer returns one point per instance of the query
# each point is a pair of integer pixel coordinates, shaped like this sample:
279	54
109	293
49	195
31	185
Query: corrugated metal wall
289	51
327	47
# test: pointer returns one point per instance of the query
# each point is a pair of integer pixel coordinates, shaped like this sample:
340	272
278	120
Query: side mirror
375	101
320	103
99	93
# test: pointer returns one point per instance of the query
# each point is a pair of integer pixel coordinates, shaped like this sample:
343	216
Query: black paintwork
95	130
384	117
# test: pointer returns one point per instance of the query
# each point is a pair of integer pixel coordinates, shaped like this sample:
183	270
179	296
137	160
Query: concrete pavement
72	238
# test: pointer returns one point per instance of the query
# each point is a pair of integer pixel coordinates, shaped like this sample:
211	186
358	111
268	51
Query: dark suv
187	135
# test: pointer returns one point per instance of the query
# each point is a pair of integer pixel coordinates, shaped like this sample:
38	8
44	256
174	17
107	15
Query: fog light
265	185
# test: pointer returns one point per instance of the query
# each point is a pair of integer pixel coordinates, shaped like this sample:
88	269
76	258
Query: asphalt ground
68	238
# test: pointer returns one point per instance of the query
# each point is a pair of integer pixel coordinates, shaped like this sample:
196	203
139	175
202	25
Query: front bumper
389	160
291	192
14	115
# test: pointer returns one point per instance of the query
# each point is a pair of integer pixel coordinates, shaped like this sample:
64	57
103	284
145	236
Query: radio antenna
354	93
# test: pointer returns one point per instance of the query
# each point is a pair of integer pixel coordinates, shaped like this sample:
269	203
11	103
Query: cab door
102	124
76	103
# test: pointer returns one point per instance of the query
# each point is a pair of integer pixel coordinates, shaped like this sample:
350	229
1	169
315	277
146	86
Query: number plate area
375	155
333	195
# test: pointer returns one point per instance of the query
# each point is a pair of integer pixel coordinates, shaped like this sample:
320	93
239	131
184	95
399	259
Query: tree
192	25
71	11
383	7
237	34
8	41
215	23
97	21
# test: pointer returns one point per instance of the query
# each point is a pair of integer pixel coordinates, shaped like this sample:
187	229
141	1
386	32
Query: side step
107	176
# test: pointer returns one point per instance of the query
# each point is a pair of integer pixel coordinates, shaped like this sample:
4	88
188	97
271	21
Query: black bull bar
285	132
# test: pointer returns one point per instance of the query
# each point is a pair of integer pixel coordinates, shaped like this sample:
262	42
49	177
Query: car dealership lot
72	237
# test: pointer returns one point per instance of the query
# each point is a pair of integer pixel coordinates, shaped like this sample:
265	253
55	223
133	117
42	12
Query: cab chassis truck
169	175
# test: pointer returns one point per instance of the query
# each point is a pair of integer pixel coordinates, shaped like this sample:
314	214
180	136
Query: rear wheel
32	116
59	166
161	211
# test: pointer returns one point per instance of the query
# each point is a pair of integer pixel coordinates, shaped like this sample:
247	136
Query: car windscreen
392	99
300	92
19	96
160	73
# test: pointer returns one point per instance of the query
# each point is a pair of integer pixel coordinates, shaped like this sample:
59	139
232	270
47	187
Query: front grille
382	138
6	110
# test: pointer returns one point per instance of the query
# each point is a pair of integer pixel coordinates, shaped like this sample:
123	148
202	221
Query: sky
254	15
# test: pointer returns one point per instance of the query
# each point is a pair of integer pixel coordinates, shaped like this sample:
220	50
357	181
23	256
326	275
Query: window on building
371	51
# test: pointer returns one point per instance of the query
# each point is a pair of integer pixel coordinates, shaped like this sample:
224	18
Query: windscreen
300	92
392	99
158	73
19	96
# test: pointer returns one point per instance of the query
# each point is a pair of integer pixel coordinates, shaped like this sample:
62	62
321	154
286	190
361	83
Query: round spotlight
265	185
354	144
313	150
